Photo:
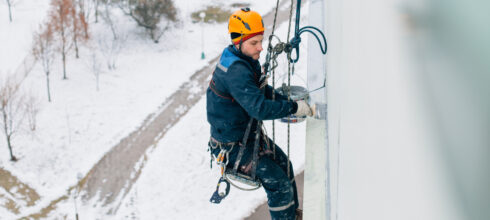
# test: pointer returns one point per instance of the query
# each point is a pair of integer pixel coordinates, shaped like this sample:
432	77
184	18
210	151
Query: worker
238	97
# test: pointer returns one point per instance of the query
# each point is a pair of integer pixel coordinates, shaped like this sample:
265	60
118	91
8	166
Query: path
15	194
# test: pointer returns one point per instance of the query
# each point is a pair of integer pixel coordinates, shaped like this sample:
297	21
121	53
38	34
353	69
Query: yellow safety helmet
244	24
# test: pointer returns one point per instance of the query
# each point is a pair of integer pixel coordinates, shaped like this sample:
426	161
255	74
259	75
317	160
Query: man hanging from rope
238	99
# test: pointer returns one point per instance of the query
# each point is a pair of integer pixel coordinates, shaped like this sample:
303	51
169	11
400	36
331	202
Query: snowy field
81	124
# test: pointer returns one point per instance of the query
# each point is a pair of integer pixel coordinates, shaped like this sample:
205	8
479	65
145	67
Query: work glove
303	109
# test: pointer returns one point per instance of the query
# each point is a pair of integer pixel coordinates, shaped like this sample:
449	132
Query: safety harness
247	175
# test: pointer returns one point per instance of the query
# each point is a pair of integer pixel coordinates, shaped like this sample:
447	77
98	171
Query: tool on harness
219	194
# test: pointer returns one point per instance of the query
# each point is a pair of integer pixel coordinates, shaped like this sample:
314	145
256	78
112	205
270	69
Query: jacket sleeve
240	84
268	94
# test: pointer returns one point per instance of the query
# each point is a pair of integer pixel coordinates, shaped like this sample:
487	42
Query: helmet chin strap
240	45
241	42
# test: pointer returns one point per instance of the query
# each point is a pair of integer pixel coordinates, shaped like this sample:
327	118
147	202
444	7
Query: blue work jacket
234	96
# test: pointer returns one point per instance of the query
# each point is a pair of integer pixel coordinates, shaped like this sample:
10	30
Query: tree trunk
76	46
47	85
111	24
97	81
96	11
63	50
6	131
12	157
153	34
63	58
10	10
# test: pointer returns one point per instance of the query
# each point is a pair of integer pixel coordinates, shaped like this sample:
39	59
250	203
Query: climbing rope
273	83
297	36
266	70
289	88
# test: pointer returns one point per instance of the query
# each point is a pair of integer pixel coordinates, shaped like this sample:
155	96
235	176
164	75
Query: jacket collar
254	63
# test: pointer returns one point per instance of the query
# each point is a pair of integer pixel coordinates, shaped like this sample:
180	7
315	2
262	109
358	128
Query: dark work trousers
272	172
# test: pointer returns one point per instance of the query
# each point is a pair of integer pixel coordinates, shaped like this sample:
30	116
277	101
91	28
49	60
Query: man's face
253	46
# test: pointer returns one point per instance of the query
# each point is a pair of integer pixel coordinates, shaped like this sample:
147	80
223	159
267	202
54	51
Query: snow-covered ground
81	124
16	37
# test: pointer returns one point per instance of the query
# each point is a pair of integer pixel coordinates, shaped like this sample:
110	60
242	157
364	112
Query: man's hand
303	109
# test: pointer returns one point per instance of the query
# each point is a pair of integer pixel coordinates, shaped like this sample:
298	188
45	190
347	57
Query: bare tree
61	19
97	3
149	14
79	27
111	49
96	69
85	7
108	18
95	66
44	50
31	106
15	107
11	111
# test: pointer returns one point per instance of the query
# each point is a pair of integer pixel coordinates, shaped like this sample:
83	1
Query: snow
81	124
16	37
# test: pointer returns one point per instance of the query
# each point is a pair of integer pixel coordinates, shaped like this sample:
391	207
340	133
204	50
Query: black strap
256	149
243	146
212	86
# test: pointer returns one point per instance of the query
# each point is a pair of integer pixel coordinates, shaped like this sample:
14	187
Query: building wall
380	155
